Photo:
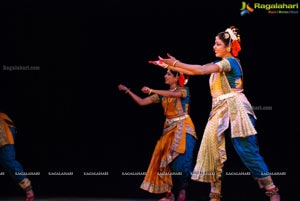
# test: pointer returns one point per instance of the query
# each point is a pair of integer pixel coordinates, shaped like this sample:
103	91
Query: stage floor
200	198
79	199
204	198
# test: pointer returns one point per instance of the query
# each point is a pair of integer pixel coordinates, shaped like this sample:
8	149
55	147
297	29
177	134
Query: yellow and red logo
246	9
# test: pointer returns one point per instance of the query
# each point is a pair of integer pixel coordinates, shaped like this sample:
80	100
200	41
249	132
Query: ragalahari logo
246	9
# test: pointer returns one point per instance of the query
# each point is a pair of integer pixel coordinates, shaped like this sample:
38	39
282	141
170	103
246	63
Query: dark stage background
71	117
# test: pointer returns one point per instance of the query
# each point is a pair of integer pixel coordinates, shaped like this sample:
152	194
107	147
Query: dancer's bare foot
181	195
169	197
275	197
273	194
215	196
30	195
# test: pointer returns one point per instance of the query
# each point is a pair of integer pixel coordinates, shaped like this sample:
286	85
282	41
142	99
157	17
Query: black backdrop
72	118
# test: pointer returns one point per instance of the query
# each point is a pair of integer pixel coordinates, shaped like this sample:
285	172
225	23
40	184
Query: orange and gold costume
171	144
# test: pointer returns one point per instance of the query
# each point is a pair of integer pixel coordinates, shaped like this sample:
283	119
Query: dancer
172	160
8	156
231	114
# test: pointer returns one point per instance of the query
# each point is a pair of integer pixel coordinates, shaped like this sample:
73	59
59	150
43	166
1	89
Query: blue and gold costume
231	113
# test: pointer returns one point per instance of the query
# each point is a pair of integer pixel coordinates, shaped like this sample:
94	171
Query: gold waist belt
224	96
172	120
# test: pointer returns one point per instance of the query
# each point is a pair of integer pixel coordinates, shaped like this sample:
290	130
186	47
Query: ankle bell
272	191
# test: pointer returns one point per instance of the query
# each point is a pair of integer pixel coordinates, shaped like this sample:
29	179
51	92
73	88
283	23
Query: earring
228	49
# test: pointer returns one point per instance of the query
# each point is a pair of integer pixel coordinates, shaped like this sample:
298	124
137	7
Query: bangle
150	91
166	66
127	90
174	63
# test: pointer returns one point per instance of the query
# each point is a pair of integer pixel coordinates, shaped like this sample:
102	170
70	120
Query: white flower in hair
186	81
232	35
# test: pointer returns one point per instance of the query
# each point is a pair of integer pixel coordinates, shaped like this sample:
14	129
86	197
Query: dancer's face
220	48
170	78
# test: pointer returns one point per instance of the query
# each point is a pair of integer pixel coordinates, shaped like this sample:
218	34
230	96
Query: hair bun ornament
231	34
235	45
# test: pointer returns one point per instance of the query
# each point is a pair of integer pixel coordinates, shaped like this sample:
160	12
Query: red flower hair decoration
181	80
235	48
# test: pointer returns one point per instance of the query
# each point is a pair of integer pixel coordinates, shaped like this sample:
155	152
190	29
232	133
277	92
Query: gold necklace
173	89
